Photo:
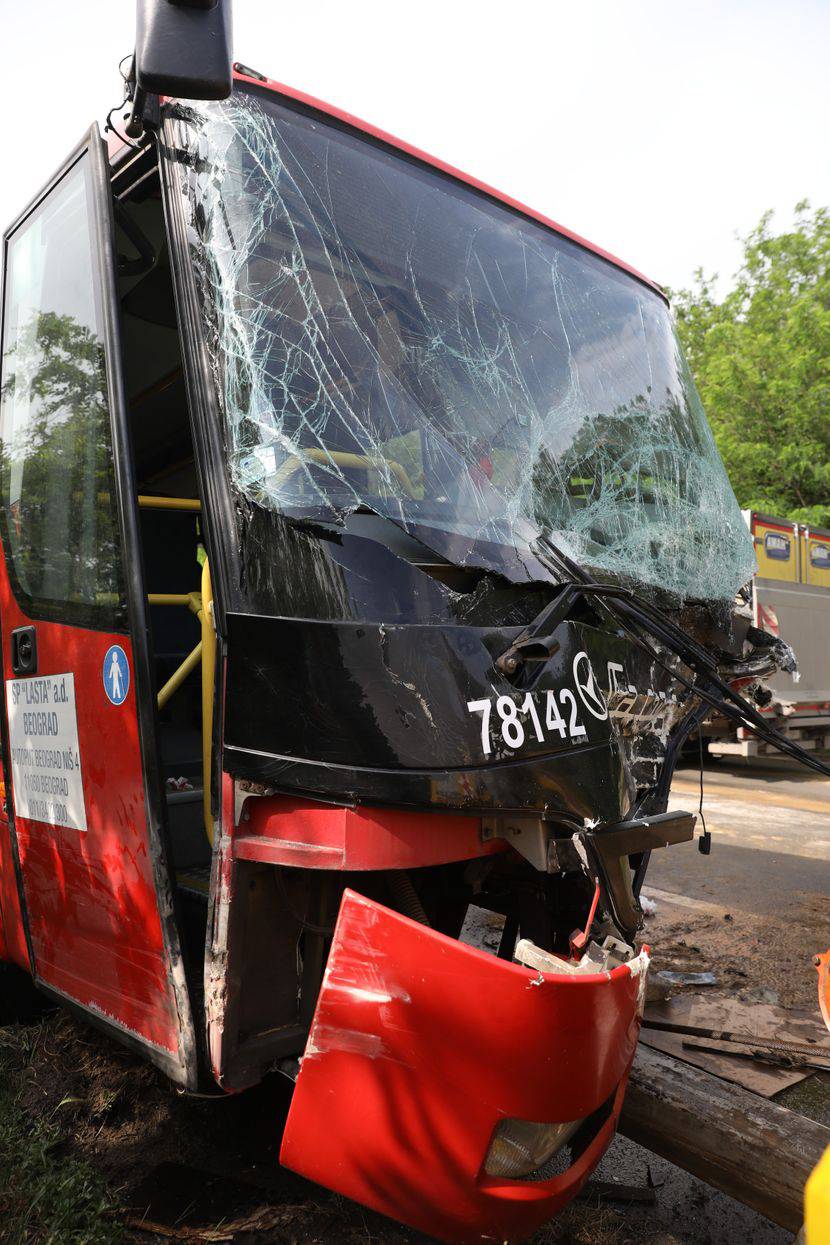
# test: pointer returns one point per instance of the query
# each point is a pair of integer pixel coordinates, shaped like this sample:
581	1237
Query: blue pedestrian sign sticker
116	674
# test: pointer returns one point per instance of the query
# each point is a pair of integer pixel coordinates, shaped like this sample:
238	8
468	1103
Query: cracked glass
385	339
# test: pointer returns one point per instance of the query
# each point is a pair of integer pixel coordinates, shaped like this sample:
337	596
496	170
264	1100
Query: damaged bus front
474	547
461	450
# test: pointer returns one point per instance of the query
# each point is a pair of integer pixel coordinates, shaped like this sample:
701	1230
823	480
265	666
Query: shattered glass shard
383	337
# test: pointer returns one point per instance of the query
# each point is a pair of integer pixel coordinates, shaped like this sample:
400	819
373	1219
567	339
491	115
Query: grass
47	1197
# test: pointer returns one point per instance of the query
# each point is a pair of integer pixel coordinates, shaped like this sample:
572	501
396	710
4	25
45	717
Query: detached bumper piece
432	1069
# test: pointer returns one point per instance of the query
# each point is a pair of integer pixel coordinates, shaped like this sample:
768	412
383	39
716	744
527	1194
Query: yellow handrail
148	502
340	458
168	598
201	604
178	677
208	646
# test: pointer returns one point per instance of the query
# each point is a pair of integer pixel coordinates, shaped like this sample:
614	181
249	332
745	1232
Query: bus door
86	807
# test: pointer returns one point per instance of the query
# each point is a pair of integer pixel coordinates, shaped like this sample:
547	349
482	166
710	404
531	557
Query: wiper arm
637	618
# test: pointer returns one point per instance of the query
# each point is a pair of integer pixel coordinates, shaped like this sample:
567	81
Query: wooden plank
754	1150
757	1077
756	1020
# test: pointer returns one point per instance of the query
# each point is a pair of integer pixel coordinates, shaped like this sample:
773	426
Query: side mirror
183	48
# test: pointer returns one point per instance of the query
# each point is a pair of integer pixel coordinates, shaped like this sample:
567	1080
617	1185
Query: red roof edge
348	118
116	144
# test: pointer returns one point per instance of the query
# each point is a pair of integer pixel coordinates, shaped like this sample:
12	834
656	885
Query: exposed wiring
326	930
117	107
708	687
704	843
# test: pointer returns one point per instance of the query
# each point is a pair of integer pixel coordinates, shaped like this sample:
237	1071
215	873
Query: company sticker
46	761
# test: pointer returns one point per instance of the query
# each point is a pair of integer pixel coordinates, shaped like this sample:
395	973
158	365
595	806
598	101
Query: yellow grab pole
168	598
147	502
201	604
208	647
178	676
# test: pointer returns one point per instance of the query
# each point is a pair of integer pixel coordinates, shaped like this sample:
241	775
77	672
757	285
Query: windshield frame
267	87
204	395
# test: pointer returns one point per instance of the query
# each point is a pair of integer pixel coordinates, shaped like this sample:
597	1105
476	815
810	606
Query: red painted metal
822	963
12	934
420	1045
90	897
309	835
788	530
349	119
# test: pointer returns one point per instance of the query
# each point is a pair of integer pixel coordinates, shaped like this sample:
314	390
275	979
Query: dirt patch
754	958
190	1164
207	1168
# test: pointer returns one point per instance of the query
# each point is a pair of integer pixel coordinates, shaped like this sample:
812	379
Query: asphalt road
770	838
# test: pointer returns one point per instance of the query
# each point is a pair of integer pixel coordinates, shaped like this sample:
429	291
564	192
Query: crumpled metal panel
384	337
420	1045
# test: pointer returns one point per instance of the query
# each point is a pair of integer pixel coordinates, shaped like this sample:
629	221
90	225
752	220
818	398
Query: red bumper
420	1045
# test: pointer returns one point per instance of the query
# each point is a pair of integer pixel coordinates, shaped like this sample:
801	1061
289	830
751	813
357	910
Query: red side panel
286	831
90	898
420	1045
12	937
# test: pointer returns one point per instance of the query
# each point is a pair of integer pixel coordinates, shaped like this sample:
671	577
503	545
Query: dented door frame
181	1066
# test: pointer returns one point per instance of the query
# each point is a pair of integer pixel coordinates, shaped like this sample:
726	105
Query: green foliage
46	1196
761	359
56	468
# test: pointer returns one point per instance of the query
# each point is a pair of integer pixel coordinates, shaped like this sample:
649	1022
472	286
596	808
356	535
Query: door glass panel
56	476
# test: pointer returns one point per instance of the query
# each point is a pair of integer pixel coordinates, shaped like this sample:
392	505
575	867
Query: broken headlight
519	1147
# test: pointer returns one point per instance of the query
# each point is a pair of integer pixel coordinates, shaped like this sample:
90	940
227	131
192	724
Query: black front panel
420	714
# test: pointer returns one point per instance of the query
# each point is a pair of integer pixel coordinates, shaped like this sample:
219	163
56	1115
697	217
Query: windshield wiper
639	620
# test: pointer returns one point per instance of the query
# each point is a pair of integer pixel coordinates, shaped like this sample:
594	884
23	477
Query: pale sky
656	128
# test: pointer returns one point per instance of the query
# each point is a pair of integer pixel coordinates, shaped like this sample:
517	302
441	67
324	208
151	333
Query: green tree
761	359
56	472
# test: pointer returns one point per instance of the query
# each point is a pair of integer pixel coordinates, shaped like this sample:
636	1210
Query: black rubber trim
185	1071
219	519
611	849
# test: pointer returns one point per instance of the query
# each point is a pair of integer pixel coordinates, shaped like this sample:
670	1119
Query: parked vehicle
790	599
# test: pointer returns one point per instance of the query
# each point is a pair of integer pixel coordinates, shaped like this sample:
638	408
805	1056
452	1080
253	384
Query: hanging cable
109	127
704	843
635	617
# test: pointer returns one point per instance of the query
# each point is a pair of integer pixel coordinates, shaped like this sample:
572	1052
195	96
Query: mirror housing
183	48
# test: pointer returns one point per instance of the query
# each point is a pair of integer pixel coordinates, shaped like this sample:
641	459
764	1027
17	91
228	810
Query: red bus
366	561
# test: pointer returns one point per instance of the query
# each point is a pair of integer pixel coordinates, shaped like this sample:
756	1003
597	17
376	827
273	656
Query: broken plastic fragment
688	979
597	959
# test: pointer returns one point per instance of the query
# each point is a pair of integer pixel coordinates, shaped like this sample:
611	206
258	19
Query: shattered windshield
384	338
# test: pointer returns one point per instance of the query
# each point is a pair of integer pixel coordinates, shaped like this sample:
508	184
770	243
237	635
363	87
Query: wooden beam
756	1151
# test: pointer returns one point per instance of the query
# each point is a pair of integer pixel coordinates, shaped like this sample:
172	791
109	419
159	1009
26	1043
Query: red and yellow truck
790	598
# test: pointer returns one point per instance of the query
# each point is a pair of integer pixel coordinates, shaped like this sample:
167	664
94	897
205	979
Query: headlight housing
519	1147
